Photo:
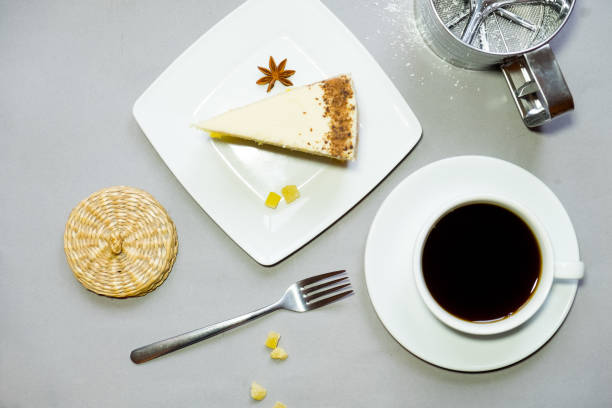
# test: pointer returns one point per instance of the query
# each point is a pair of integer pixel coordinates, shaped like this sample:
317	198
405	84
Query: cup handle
569	270
538	87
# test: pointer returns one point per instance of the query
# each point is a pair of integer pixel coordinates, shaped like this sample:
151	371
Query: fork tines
317	290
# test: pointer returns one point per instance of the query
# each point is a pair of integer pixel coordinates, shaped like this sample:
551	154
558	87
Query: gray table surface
69	74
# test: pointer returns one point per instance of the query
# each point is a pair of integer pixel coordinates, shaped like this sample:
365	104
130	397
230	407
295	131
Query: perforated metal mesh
498	34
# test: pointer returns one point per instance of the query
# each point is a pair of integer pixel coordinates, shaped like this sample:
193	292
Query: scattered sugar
398	23
398	18
392	7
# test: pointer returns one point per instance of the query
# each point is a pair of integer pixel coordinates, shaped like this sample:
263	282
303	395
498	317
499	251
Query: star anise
275	73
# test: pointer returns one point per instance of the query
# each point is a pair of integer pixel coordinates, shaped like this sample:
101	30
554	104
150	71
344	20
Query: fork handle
159	348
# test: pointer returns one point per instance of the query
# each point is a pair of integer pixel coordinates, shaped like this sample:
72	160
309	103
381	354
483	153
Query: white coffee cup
551	268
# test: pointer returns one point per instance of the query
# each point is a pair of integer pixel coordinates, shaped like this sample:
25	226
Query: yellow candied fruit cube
291	193
273	200
216	135
257	391
279	354
272	340
279	405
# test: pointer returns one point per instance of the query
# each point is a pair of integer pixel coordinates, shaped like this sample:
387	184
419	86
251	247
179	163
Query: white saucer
388	263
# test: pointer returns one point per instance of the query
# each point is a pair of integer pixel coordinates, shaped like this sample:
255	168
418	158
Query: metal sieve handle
538	87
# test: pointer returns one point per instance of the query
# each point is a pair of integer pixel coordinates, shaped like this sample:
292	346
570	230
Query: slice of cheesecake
319	118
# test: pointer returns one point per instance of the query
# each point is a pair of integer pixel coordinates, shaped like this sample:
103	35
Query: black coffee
481	262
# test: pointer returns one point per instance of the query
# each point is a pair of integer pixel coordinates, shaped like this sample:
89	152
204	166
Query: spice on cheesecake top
336	95
275	73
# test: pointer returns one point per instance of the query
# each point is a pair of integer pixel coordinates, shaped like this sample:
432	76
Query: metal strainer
480	34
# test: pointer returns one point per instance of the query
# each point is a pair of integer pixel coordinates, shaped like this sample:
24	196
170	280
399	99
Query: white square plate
230	181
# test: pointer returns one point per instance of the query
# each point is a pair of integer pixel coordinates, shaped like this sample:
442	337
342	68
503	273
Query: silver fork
307	294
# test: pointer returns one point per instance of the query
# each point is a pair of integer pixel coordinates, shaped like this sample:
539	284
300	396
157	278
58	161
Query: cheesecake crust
337	96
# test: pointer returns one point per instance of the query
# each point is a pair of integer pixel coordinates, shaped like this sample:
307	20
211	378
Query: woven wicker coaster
120	242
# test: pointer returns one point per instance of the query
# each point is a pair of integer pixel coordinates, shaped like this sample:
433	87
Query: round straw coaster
120	242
